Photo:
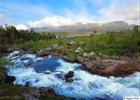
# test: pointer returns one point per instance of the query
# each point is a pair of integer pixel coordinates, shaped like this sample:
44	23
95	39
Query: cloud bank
82	11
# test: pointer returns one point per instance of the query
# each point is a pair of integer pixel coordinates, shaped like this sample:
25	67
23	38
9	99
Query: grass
96	43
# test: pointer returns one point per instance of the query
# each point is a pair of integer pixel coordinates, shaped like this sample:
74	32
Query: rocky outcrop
4	78
100	64
6	48
68	76
9	79
106	66
51	51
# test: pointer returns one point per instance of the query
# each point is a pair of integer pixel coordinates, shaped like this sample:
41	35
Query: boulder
70	74
9	79
50	90
43	52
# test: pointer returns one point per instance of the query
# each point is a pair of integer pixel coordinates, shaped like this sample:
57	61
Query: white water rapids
49	72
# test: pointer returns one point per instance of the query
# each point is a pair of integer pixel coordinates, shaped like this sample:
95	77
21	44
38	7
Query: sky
40	13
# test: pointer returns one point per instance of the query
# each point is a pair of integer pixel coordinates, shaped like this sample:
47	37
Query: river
50	72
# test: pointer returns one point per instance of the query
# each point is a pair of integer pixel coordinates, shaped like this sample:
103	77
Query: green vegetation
12	92
9	35
111	43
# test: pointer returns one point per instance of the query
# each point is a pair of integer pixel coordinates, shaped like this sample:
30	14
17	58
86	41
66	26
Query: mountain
89	27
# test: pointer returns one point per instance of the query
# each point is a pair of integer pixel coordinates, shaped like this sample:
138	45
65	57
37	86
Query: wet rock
125	69
43	52
51	63
60	76
70	74
69	59
9	79
24	58
88	65
27	64
16	54
69	80
23	51
6	48
48	90
47	72
28	84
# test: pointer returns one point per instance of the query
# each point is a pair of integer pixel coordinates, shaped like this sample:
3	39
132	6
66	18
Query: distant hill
89	27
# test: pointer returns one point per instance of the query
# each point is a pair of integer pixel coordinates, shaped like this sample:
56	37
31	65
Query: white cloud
117	10
54	21
51	21
22	27
128	12
48	21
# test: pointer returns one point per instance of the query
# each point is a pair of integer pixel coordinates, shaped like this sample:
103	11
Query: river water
49	72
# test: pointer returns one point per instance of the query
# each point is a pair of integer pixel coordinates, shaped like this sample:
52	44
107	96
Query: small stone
79	50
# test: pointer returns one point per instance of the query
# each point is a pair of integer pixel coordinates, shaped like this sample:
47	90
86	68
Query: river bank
100	64
69	79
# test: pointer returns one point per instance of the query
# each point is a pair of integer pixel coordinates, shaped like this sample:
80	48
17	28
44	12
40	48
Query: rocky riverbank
9	91
100	64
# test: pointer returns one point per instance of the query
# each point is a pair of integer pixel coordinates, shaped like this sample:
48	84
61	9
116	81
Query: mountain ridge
88	27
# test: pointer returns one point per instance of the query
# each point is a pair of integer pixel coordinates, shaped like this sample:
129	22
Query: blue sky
85	11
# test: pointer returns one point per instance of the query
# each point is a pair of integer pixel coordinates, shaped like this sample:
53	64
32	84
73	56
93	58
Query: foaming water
49	72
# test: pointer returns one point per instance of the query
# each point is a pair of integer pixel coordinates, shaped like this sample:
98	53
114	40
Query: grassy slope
111	44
